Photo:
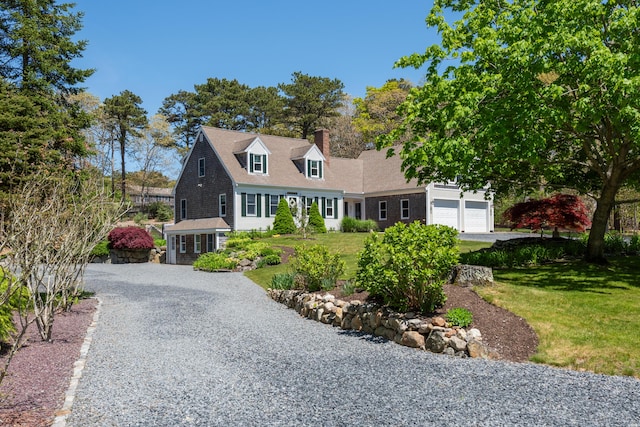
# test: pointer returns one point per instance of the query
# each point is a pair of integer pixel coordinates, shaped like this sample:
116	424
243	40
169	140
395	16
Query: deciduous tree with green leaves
523	91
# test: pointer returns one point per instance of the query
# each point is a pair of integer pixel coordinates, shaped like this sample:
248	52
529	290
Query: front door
171	259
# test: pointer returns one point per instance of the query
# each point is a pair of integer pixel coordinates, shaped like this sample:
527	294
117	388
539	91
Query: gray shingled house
234	181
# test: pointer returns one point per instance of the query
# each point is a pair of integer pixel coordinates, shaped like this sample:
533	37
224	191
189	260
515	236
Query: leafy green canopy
522	93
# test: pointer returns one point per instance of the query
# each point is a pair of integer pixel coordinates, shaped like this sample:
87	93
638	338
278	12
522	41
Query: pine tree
315	219
37	47
283	222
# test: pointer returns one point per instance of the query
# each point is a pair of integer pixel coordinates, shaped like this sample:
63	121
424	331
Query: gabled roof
282	171
383	174
202	225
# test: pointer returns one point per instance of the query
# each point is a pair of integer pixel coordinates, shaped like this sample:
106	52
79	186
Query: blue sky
156	48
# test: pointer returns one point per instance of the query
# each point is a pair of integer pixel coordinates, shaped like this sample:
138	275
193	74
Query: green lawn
587	317
347	244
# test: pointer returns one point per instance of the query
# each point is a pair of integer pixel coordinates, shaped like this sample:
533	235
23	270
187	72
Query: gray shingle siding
417	209
202	193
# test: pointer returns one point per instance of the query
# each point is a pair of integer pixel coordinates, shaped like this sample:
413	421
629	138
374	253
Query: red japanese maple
129	238
560	211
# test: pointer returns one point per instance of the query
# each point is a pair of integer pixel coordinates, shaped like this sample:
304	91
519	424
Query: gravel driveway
176	347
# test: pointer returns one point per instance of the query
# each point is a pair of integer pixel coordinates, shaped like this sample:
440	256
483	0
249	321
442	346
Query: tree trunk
123	179
604	205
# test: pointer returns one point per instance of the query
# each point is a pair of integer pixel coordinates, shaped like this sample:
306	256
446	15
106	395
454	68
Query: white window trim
402	209
256	159
197	243
222	201
328	208
314	165
183	244
273	208
254	204
381	210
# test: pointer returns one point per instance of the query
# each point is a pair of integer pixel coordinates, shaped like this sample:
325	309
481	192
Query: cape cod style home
234	181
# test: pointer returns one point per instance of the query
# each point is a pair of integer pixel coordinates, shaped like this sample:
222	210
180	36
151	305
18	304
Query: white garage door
445	212
475	217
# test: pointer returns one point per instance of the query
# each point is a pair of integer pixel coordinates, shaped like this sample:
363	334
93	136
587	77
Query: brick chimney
321	139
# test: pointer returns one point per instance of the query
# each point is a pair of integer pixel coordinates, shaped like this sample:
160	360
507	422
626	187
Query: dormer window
258	163
252	155
314	168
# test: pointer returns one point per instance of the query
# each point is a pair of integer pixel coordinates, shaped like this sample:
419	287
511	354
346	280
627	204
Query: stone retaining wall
432	334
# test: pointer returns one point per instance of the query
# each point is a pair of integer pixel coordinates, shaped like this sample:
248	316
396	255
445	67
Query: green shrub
317	266
614	243
101	249
634	244
272	259
523	256
160	211
352	225
349	287
19	298
283	281
238	242
459	317
140	218
408	265
160	242
316	222
283	222
214	261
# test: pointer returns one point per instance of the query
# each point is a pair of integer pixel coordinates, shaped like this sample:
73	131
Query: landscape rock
436	342
471	275
413	339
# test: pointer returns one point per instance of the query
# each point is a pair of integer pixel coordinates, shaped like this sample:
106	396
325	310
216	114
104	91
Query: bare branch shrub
52	224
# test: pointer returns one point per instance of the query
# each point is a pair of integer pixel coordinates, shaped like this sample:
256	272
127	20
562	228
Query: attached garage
476	217
446	212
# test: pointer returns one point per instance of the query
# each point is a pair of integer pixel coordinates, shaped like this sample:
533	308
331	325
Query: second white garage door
475	217
446	212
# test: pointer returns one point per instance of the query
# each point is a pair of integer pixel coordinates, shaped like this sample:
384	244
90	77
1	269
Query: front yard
586	316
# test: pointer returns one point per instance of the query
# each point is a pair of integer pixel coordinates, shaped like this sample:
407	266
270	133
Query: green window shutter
335	207
264	164
244	203
308	168
320	168
324	207
251	163
258	204
267	205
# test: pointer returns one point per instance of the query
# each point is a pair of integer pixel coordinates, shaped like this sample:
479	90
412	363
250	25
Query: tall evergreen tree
129	119
36	51
183	112
309	100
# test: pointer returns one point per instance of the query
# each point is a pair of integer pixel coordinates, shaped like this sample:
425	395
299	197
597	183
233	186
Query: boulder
436	342
471	275
413	339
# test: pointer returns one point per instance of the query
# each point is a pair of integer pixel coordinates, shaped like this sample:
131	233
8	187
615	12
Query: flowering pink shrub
130	238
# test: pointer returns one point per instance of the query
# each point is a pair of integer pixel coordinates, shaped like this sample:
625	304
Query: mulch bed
509	335
40	372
